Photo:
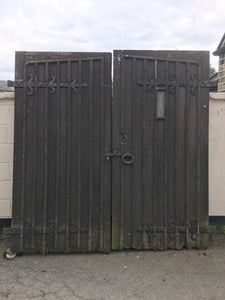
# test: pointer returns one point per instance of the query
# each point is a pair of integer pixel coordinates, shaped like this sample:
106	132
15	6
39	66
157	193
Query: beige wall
217	154
6	152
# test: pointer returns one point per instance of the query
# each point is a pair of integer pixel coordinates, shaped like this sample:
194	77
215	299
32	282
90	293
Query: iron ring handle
127	158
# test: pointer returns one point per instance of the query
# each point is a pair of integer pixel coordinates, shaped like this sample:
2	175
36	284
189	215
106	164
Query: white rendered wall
6	152
217	154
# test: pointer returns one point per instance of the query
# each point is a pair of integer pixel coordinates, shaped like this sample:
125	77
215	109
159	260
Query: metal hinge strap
18	83
209	83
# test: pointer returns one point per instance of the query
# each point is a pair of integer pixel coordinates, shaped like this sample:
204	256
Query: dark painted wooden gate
61	200
63	156
160	123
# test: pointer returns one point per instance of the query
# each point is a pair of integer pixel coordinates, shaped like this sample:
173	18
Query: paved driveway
119	275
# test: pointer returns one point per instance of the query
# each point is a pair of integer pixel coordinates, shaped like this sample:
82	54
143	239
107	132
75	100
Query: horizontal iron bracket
174	229
18	83
209	83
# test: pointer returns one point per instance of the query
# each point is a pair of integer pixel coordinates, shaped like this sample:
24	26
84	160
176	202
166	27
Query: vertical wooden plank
108	146
74	157
45	160
79	160
165	148
34	155
149	145
68	173
133	175
160	99
96	150
57	180
90	211
170	150
40	158
187	161
52	145
23	161
138	152
116	163
143	156
198	155
63	157
154	157
101	159
191	214
204	119
85	153
181	153
176	158
122	151
126	142
29	160
149	148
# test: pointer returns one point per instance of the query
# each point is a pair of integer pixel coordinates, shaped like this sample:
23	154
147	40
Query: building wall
217	154
221	73
6	152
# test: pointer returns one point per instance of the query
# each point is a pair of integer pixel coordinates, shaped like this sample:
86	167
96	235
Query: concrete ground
120	275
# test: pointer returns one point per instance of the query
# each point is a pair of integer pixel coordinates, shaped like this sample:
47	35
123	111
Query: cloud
97	25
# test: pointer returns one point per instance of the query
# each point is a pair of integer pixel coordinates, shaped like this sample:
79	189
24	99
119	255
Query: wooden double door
103	164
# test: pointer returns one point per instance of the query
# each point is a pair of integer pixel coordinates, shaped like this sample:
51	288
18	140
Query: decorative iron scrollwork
51	229
172	89
193	90
172	77
30	84
72	231
194	76
52	84
171	223
172	83
150	83
75	86
193	222
29	88
194	82
150	86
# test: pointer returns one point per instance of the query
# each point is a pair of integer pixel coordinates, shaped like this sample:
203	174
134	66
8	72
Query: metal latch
115	153
127	157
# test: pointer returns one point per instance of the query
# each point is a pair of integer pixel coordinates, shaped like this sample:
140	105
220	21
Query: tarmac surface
186	274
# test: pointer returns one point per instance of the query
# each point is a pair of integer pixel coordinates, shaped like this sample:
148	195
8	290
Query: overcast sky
98	25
